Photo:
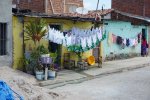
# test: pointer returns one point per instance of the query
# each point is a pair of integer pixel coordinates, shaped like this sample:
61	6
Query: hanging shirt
94	38
51	34
99	34
77	42
127	42
119	40
131	42
89	41
73	40
136	41
64	42
68	40
83	42
124	41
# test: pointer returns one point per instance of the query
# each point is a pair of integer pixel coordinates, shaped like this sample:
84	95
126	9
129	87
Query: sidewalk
71	77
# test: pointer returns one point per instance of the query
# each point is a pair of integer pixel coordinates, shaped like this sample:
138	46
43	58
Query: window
3	38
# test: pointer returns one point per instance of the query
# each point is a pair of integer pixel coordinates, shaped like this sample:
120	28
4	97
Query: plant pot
51	74
46	60
45	55
39	75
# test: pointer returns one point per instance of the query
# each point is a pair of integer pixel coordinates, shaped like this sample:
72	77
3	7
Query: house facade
49	6
6	33
63	24
127	32
114	24
136	7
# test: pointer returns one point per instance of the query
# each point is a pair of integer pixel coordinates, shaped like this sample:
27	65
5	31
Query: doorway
54	47
143	38
96	53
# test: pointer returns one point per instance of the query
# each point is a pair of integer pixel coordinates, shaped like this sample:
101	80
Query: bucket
51	74
39	75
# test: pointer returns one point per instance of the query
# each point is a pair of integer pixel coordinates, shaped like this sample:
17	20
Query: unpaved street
131	85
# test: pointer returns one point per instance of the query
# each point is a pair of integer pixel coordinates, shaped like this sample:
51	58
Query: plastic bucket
39	75
51	74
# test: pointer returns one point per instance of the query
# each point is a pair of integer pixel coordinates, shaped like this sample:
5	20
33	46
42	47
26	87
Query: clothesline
77	40
124	42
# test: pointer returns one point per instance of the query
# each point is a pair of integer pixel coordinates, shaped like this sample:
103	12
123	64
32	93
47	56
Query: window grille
3	37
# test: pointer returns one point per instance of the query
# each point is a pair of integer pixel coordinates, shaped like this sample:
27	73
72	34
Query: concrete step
77	81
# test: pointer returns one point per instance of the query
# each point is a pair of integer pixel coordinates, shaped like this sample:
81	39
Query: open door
54	47
144	37
96	54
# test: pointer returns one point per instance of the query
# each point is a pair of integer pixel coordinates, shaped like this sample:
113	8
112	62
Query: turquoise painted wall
125	30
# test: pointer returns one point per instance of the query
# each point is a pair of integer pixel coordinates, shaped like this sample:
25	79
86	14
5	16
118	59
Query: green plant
35	55
36	29
54	56
34	58
42	50
39	66
79	54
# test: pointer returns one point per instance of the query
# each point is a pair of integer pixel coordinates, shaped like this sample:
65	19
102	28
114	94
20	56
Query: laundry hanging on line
128	42
77	40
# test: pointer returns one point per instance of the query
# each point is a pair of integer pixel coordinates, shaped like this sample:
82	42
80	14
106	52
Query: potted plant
29	66
51	71
35	30
43	51
38	67
39	71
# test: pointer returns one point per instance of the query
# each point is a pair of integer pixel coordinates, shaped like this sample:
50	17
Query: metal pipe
64	6
97	5
46	6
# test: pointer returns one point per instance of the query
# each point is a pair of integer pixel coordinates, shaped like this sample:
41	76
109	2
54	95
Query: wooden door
96	53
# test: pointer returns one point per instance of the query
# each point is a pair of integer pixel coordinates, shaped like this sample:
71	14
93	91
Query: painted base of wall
112	57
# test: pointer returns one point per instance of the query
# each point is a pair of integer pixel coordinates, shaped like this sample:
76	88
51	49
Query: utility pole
97	5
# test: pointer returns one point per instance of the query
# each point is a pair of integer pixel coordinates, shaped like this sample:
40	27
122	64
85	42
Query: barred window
3	37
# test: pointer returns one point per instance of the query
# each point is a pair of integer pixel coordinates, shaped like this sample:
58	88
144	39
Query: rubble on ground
25	85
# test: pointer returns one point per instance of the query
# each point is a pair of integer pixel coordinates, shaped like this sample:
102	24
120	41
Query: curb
122	70
63	83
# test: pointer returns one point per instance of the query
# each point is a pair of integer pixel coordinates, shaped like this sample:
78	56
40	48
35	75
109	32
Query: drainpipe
64	6
46	2
97	5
